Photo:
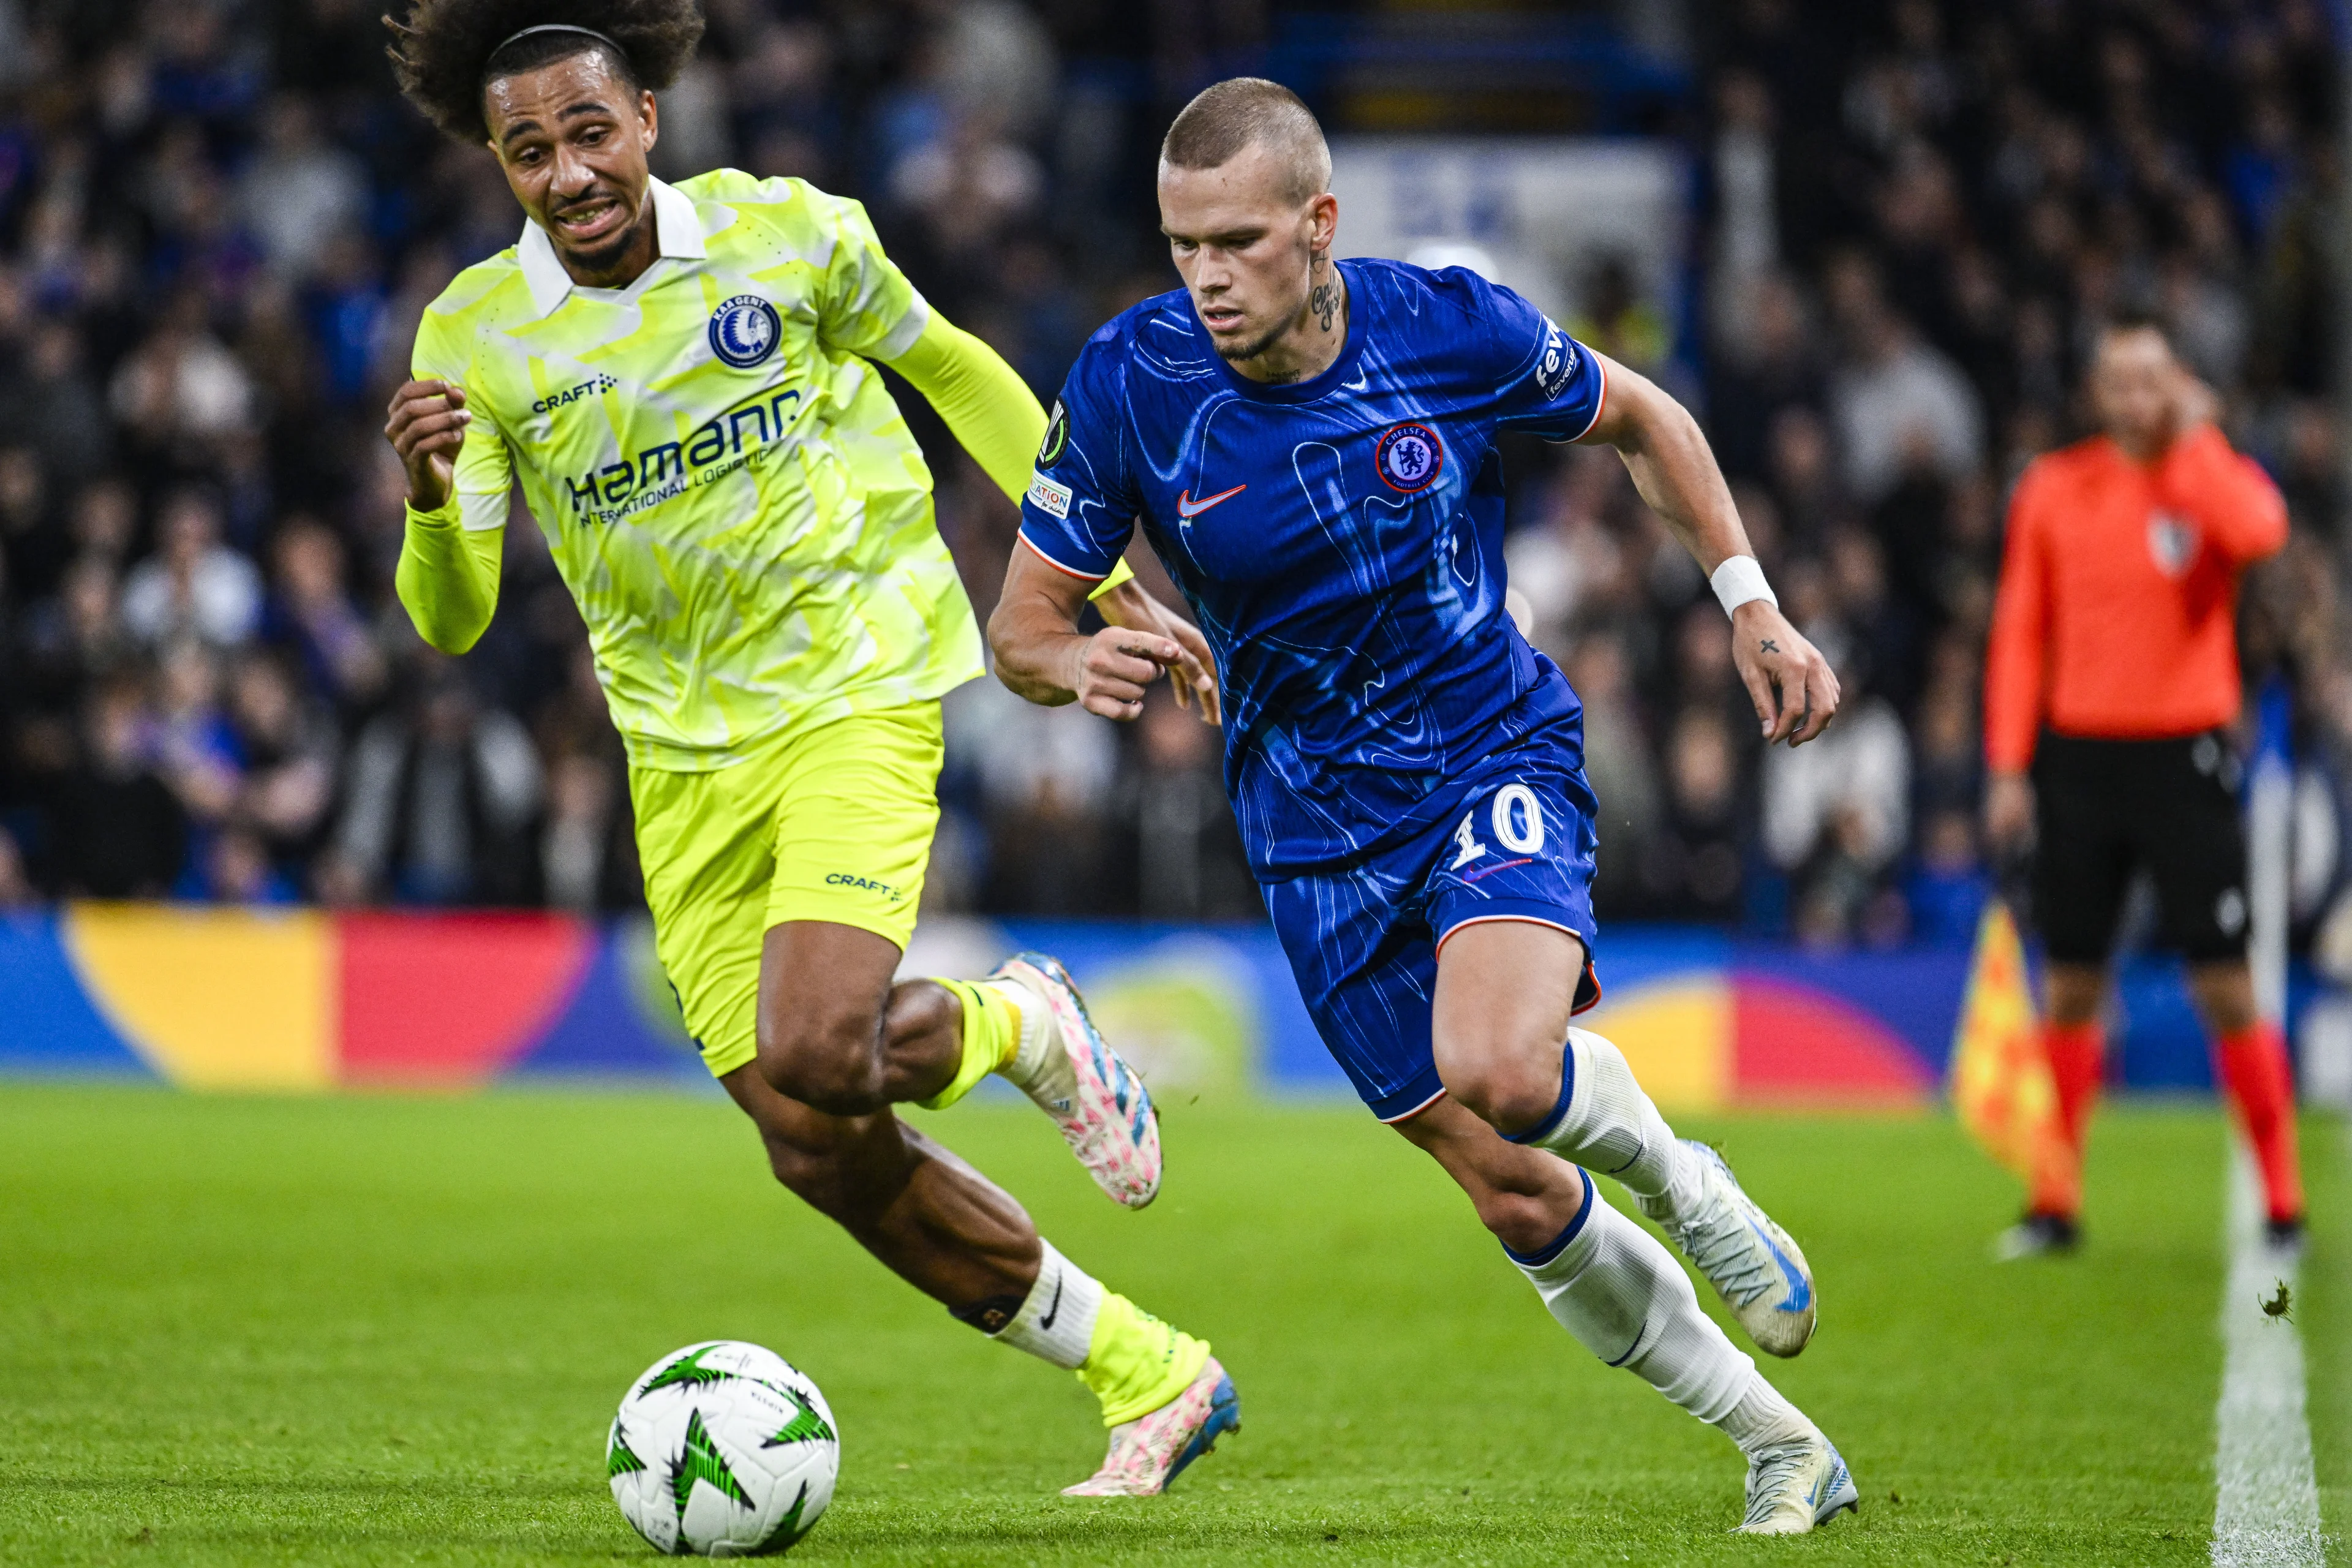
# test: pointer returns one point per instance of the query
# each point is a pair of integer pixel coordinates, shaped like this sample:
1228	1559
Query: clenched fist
427	424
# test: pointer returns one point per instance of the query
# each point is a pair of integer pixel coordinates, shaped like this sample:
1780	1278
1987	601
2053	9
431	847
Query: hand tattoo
1772	647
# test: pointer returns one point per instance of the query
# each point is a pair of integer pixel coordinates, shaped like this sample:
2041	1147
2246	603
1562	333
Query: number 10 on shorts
1516	818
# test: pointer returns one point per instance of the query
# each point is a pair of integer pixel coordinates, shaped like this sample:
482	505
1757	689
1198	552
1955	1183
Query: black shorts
2106	808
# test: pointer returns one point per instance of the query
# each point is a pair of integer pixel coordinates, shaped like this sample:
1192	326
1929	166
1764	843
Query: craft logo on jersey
745	330
2172	542
1408	456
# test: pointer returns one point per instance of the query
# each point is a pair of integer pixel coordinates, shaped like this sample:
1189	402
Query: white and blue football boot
1754	1264
1792	1487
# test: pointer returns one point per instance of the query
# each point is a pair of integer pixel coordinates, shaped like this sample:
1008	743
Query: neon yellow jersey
728	489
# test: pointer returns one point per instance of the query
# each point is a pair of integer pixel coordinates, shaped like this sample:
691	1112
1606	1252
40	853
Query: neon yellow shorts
829	824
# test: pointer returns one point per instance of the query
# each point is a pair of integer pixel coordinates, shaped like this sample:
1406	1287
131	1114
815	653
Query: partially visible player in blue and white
1309	446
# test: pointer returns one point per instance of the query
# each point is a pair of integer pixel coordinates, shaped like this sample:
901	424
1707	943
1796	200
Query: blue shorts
1363	942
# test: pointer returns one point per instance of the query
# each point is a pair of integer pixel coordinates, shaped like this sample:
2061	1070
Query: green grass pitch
393	1330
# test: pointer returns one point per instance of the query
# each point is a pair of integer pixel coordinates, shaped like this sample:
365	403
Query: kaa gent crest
745	330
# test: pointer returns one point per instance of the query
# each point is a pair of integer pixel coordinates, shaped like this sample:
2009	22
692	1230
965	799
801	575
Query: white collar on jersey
680	233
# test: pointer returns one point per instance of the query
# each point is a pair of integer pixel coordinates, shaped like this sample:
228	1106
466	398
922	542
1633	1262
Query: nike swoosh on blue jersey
1188	509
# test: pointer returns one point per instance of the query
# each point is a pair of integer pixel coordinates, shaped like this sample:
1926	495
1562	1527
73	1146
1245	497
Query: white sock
1056	1321
1038	1068
1763	1419
1614	1287
1605	1123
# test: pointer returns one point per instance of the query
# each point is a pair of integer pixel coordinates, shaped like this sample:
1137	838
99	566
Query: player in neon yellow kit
679	379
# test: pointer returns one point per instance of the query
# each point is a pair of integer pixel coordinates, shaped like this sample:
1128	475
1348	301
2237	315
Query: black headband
611	43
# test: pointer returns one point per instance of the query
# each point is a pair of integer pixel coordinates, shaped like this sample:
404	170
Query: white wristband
1739	580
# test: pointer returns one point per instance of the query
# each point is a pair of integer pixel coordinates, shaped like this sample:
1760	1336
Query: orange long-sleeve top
2118	611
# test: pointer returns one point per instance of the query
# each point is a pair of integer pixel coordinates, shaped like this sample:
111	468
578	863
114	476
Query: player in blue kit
1309	446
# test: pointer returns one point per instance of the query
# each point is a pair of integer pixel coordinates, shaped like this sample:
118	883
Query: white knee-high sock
1605	1123
1625	1299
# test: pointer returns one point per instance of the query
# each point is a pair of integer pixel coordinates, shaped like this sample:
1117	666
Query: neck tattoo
1327	296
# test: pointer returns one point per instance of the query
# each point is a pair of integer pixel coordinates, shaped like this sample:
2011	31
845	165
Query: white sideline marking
2267	1512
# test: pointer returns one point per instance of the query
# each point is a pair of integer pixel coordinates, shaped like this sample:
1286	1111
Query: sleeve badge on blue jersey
1057	435
1048	497
1409	458
1558	363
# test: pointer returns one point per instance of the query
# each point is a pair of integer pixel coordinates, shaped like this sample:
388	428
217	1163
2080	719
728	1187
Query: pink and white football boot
1104	1111
1149	1452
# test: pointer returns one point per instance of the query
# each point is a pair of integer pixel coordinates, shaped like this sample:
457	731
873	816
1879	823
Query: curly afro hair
448	49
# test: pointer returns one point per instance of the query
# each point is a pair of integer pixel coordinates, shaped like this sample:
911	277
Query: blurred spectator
1617	321
57	410
1187	855
1836	812
1766	365
190	738
346	305
180	392
238	870
588	857
120	833
17	890
1898	401
287	754
1885	630
1746	220
106	521
1045	776
1617	764
75	639
1802	470
443	795
969	185
193	586
1949	763
301	190
310	614
27	539
1692	868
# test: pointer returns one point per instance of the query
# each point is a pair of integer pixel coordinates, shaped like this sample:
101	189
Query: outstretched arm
989	409
1791	685
1043	655
991	415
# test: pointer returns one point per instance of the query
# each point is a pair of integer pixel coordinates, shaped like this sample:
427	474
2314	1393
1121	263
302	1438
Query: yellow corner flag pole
2001	1084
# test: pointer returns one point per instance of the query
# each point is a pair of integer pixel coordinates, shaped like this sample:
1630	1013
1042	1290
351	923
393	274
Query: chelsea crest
745	330
1408	456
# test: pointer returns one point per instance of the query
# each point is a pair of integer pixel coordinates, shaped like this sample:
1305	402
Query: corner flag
2001	1084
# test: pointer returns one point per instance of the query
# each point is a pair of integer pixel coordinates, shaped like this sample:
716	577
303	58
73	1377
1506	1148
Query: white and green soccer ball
722	1449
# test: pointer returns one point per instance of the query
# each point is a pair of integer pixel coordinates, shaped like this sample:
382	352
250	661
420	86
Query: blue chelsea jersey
1340	541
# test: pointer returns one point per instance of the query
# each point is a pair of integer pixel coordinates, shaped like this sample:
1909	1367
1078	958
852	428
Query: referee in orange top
2113	672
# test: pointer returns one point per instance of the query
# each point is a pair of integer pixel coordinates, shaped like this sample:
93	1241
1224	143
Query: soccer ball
722	1449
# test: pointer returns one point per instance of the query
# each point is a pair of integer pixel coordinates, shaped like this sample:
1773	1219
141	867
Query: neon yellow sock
991	1032
1136	1364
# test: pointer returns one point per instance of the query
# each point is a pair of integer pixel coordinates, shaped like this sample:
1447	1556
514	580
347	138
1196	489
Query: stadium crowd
219	226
